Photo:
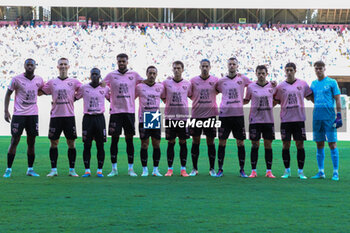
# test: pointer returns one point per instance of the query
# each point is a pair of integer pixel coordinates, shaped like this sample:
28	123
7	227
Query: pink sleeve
189	93
277	95
13	84
108	94
107	80
42	84
79	93
163	95
248	94
138	78
47	88
247	81
77	84
137	91
218	86
307	90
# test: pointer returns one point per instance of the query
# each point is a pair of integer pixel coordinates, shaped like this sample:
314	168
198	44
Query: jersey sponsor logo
151	120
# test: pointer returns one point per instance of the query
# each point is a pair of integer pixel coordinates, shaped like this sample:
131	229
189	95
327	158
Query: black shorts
297	129
65	124
267	131
120	121
234	124
146	133
94	128
197	131
19	123
173	132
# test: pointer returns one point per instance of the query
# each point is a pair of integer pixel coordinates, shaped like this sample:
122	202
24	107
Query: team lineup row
121	87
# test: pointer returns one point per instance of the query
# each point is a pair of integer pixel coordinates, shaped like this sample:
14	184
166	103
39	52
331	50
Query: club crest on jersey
102	92
131	78
157	89
70	84
239	82
184	87
299	88
38	84
23	84
211	83
87	91
270	90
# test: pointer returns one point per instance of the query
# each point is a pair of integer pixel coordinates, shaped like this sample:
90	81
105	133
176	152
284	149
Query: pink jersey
261	110
94	98
176	103
122	88
63	93
204	97
292	100
26	93
149	97
232	90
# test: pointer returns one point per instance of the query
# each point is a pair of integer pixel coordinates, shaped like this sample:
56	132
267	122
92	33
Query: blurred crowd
95	47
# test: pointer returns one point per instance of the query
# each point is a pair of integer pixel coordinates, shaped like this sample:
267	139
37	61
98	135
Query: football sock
145	169
99	170
31	158
183	168
114	166
221	156
195	155
88	170
130	150
286	157
170	154
335	159
87	154
100	155
10	158
241	156
156	157
170	168
114	149
72	154
254	157
53	157
268	170
131	166
183	154
211	155
301	158
320	159
30	169
268	158
155	169
143	156
287	170
300	171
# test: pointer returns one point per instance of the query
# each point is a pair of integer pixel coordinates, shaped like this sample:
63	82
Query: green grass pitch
173	204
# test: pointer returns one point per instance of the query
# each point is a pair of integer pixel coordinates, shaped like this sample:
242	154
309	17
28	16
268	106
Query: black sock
170	154
268	158
100	155
211	155
144	157
130	150
183	154
114	149
221	156
286	158
10	158
301	158
72	155
241	156
31	158
53	157
87	154
195	155
254	157
156	157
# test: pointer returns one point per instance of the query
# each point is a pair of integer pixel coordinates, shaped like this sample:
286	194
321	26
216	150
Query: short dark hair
261	67
291	64
151	67
233	59
179	63
319	63
29	59
95	69
123	55
204	60
62	58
